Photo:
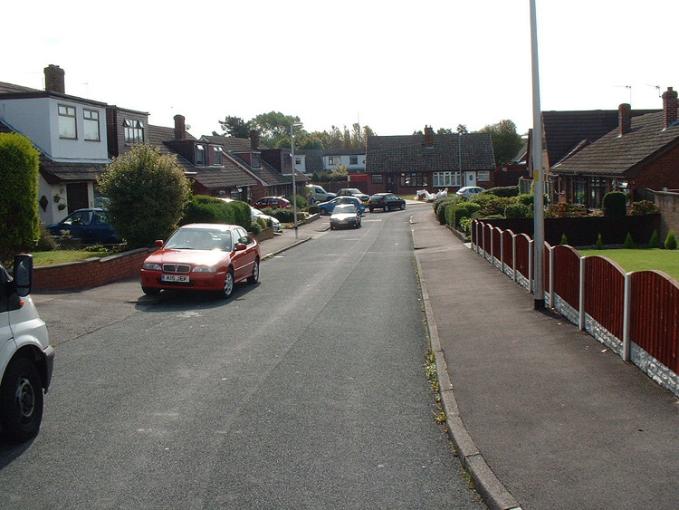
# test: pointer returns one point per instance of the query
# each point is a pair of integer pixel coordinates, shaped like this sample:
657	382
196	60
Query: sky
393	65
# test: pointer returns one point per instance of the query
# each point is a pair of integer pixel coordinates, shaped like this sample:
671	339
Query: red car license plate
174	278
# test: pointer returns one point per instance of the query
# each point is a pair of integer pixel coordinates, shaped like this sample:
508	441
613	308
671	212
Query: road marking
368	221
189	314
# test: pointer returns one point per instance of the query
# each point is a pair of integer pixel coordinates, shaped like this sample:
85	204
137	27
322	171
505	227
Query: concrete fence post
551	277
581	295
502	252
491	246
530	266
483	239
626	346
476	237
514	257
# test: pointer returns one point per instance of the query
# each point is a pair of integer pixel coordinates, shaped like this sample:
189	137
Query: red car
273	202
202	257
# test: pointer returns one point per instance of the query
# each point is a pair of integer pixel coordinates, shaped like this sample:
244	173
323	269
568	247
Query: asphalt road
305	391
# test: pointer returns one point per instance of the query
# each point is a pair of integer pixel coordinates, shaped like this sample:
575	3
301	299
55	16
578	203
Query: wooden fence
635	314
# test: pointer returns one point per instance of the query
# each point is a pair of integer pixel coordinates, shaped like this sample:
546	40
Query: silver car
345	215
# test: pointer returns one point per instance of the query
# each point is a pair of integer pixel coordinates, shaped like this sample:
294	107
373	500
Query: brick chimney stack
428	136
54	79
669	106
624	118
254	139
179	127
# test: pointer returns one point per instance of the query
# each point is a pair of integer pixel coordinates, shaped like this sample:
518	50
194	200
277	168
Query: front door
390	183
77	196
469	179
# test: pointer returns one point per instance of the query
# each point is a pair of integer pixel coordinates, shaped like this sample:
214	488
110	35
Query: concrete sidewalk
560	420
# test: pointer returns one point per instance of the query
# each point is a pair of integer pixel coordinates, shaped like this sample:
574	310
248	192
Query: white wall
301	167
37	118
344	160
30	117
52	214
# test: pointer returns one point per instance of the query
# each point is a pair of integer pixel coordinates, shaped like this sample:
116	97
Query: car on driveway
87	225
469	191
345	215
317	193
353	192
256	214
273	202
202	256
386	202
329	206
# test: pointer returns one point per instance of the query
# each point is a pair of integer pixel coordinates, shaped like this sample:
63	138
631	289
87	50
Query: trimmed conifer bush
564	239
654	242
629	242
614	204
599	244
670	241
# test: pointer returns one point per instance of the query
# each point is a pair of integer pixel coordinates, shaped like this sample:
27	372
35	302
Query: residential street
305	391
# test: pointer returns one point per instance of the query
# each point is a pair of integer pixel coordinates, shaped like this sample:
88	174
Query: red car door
238	258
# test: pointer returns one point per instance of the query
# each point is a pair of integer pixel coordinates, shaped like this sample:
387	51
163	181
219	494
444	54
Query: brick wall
662	172
668	203
90	273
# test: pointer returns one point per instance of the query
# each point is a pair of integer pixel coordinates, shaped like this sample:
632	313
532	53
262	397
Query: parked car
345	215
26	357
353	192
256	214
469	191
88	225
327	207
273	202
386	202
202	256
317	193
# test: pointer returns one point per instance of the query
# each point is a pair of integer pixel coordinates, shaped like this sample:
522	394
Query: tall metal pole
538	174
294	191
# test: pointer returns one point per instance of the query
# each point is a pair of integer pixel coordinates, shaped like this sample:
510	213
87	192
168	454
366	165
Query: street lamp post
538	175
292	161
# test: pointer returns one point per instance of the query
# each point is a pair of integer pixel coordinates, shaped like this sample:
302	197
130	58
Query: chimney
54	79
254	139
179	127
428	136
624	119
669	106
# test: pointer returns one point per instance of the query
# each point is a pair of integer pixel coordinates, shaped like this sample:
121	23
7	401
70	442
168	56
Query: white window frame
483	175
64	114
200	149
91	118
445	179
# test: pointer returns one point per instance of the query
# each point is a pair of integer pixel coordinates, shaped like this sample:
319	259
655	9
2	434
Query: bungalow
211	169
642	152
70	133
352	159
404	164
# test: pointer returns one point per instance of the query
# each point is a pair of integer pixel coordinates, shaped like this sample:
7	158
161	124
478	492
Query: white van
316	194
26	358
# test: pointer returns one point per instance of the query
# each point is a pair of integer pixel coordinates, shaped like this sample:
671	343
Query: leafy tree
274	127
20	227
444	131
147	193
462	129
506	141
235	126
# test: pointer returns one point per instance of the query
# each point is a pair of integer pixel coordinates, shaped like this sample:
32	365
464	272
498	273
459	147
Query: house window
579	191
298	161
353	160
445	179
413	179
134	131
91	125
484	175
598	188
256	160
376	178
200	154
331	160
67	128
217	155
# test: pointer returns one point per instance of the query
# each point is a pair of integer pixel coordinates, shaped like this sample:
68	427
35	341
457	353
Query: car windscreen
344	208
200	239
355	191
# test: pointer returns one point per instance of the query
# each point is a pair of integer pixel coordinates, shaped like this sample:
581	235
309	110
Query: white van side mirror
23	274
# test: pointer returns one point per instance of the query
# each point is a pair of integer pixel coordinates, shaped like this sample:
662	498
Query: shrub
614	204
46	241
206	209
629	242
564	239
466	225
525	199
654	242
517	211
20	225
148	193
491	205
463	210
643	207
282	215
503	191
440	208
599	244
670	241
301	202
255	228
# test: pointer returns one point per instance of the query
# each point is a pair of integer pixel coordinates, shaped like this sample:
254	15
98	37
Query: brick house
404	164
208	165
641	152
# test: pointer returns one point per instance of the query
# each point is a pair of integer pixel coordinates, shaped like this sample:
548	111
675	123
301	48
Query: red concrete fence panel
567	274
522	248
605	293
654	316
507	251
497	235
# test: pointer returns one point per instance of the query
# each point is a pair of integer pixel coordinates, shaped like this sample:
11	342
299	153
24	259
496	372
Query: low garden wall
90	273
583	231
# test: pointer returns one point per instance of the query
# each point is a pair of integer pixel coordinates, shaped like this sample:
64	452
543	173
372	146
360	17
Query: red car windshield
200	239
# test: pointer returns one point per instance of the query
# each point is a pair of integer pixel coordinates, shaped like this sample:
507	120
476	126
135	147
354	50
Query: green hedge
518	211
503	191
206	209
282	215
